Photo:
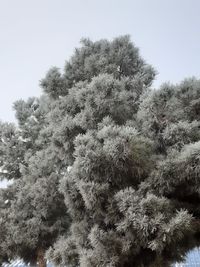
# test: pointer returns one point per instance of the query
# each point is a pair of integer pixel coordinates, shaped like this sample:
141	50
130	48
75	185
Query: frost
3	171
32	117
20	138
69	168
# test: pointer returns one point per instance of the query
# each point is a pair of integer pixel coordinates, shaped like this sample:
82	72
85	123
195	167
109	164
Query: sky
38	34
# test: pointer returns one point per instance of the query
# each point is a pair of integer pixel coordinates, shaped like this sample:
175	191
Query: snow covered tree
122	159
170	117
96	132
33	214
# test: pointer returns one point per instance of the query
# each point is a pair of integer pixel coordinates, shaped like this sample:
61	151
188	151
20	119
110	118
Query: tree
122	157
170	118
34	213
97	131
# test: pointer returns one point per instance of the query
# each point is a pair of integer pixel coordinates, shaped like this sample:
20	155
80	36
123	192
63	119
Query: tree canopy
33	210
105	169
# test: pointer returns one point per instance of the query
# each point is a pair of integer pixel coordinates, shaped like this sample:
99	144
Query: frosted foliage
105	169
12	149
115	133
162	109
170	118
180	173
54	84
103	96
34	210
119	58
176	135
59	255
113	218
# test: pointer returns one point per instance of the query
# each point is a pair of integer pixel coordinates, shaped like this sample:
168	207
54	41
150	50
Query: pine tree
97	132
33	210
170	117
120	158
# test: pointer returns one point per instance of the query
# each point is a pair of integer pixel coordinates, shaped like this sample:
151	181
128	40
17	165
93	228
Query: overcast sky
38	34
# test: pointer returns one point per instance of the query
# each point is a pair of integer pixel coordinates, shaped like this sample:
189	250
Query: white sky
38	34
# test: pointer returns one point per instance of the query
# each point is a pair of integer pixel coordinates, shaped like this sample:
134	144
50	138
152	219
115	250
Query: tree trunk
41	261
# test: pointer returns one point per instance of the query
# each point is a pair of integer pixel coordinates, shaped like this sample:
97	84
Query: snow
35	102
69	168
23	140
3	171
32	117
